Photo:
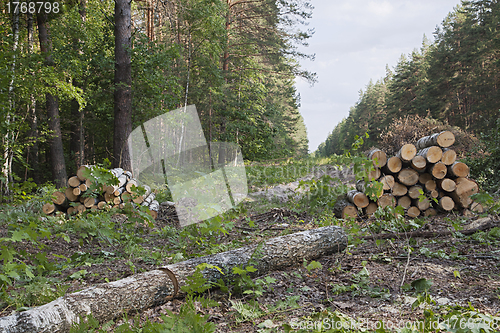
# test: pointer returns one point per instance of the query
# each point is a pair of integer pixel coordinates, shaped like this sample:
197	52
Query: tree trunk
123	83
58	165
33	151
141	291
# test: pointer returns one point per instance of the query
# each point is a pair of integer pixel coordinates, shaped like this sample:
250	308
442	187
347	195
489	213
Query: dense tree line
75	81
455	79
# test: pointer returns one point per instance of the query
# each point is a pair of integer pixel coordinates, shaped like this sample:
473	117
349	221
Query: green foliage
245	285
361	286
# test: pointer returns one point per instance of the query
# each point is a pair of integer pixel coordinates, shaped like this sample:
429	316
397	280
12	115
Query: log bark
443	139
393	165
418	163
359	199
344	209
407	152
438	170
378	157
432	154
449	156
141	291
408	177
458	169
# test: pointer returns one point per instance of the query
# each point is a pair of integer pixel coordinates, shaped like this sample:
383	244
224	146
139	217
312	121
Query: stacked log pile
428	167
76	198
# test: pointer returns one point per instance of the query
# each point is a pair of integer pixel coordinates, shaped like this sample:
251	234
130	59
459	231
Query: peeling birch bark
141	291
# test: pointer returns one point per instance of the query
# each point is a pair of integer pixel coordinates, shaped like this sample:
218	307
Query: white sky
354	40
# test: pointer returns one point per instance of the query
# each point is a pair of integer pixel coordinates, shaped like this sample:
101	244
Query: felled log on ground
140	291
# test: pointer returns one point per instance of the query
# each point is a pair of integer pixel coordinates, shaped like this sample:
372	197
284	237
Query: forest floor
449	280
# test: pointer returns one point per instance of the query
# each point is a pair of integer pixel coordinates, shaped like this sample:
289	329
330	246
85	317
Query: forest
392	225
451	81
77	77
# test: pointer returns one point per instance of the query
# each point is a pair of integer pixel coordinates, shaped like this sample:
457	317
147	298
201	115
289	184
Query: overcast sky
354	40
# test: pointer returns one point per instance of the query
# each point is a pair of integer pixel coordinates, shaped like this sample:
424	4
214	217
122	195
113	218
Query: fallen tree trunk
140	291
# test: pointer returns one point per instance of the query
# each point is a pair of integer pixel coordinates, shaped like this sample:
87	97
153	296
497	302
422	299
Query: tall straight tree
123	83
58	165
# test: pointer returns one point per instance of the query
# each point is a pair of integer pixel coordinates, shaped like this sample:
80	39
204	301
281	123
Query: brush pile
424	178
80	196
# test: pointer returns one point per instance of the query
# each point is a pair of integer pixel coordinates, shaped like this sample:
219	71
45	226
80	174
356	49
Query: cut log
122	180
119	191
117	172
431	154
415	191
446	203
449	156
74	181
422	203
374	174
387	182
83	187
138	199
77	191
447	184
430	212
149	199
71	211
126	197
59	198
359	199
343	209
433	193
405	202
80	208
101	204
430	185
378	157
131	182
418	163
370	209
386	200
443	139
69	194
413	212
458	169
424	178
141	291
407	152
393	165
408	177
465	188
89	202
399	190
117	200
49	208
438	170
80	171
109	197
477	207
